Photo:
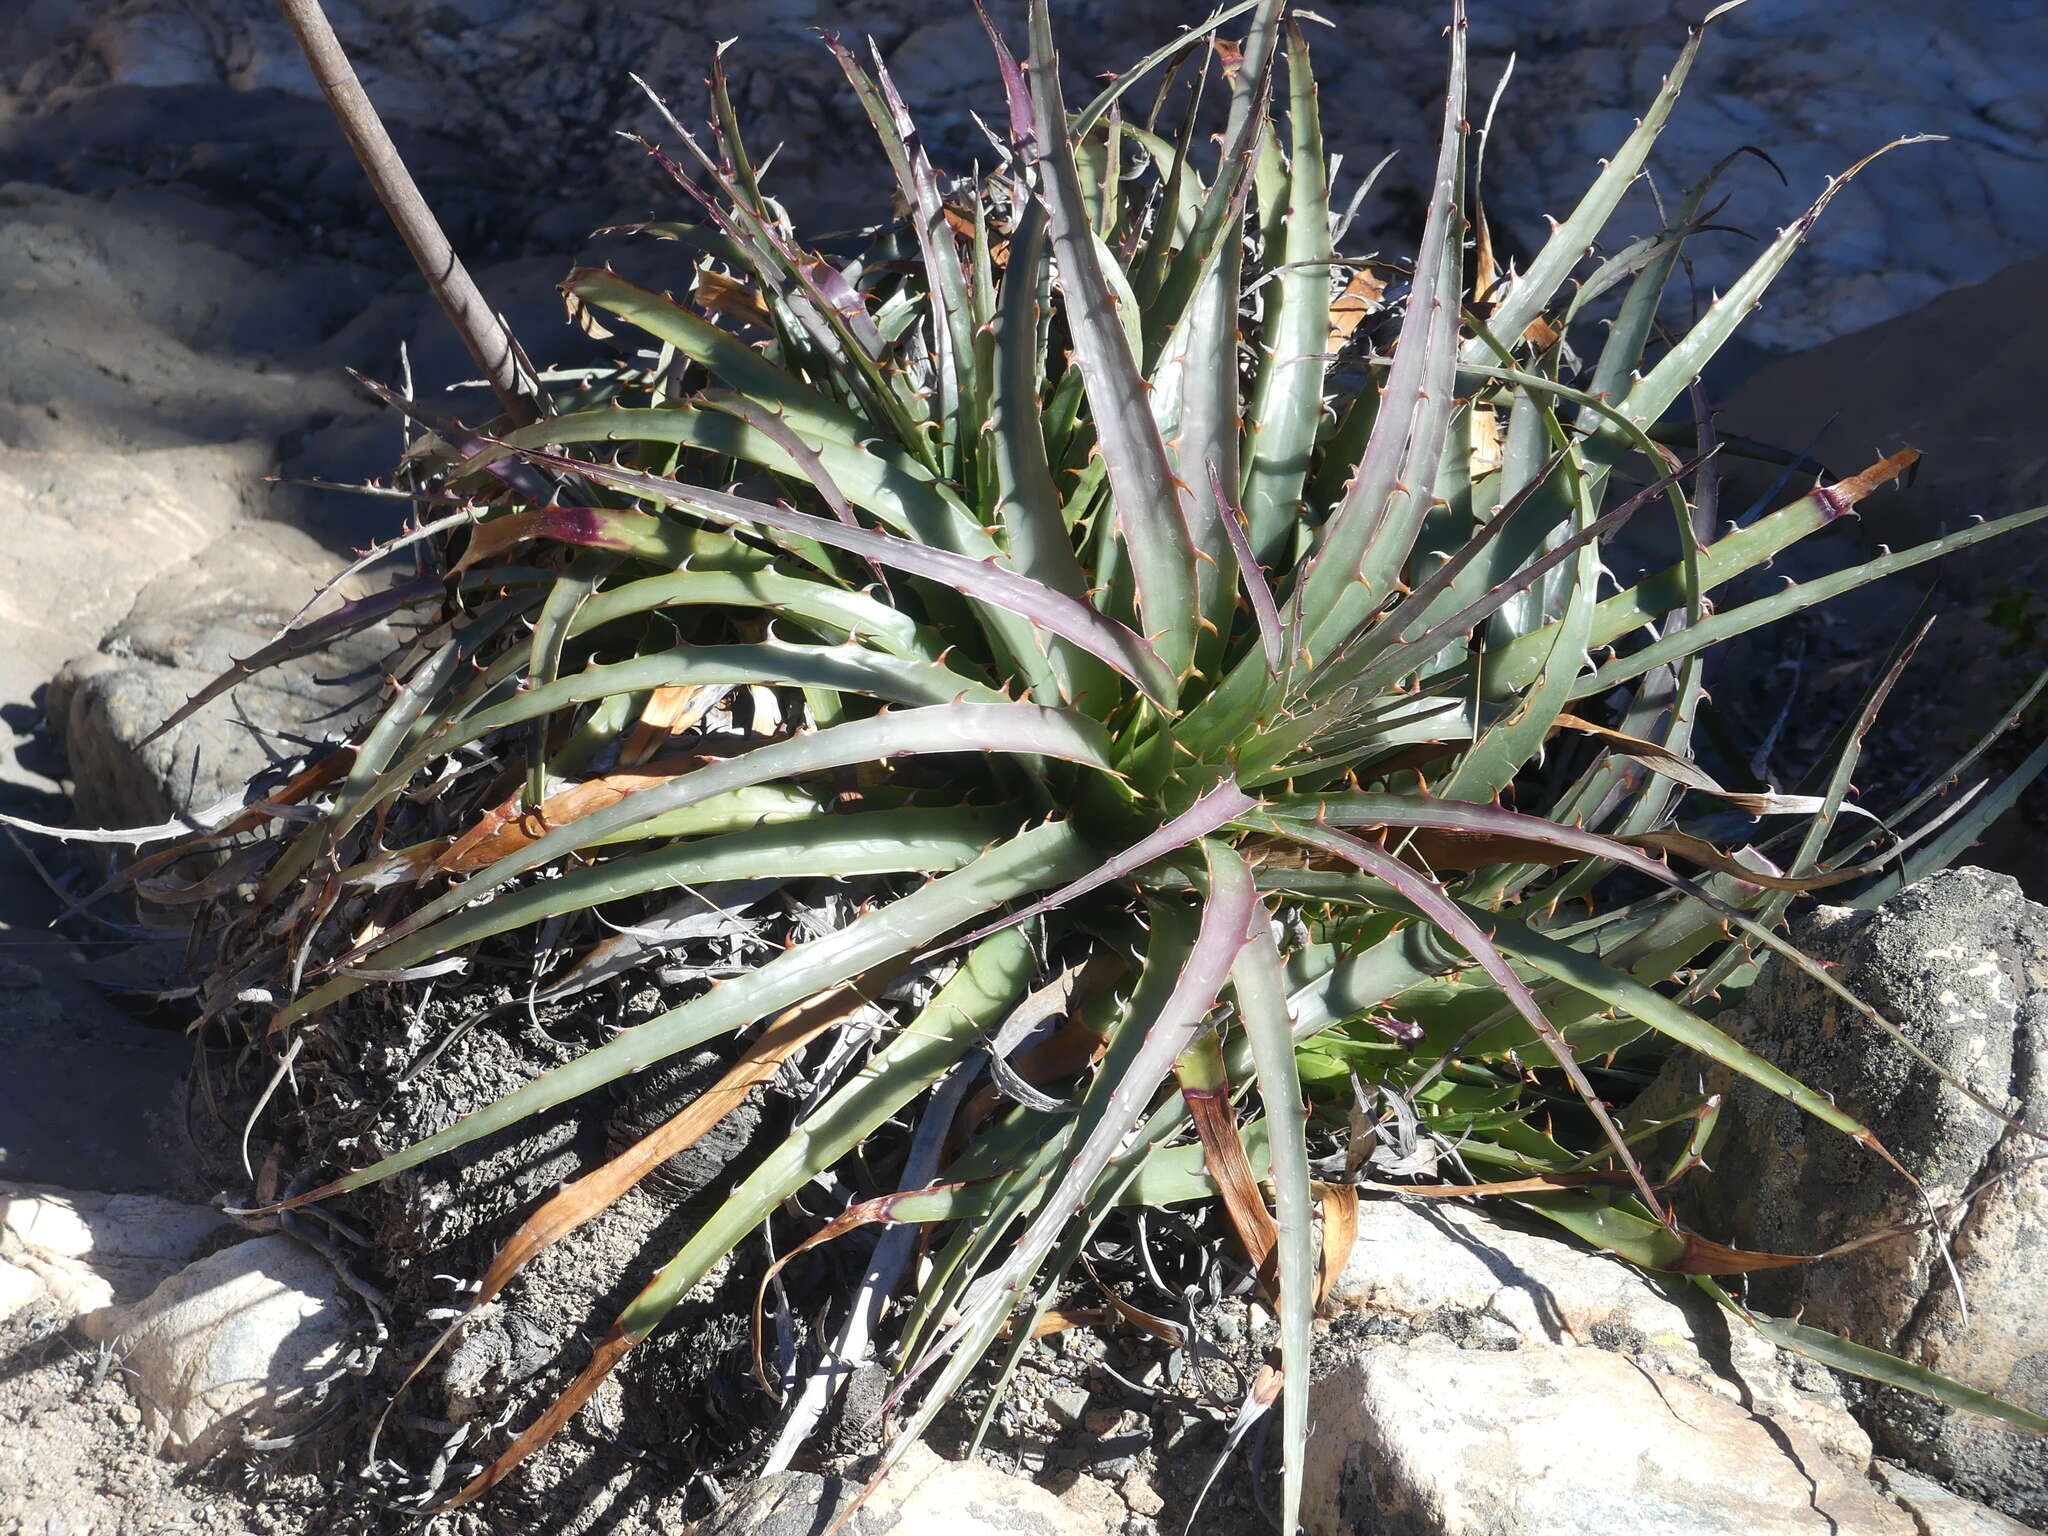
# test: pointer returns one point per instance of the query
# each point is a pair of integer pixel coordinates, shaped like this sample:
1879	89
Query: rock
1444	1267
190	626
1140	1496
1960	963
944	57
1094	1502
925	1495
1431	1440
1940	1512
90	531
152	320
1449	1270
541	93
92	1254
1791	1389
154	48
245	1340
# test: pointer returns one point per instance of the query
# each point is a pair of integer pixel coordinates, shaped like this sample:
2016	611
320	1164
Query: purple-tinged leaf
1023	729
345	620
1218	808
1473	614
1464	817
839	296
1264	608
771	426
1401	811
1016	91
945	274
1432	901
1225	923
1068	617
458	437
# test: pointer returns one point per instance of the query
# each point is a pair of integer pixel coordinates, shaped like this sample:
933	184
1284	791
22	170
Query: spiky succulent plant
1149	616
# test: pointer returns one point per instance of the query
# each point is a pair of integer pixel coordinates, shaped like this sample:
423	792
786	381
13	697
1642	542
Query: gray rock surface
243	1341
533	95
1451	1271
1940	1512
1430	1262
1959	962
1432	1440
186	629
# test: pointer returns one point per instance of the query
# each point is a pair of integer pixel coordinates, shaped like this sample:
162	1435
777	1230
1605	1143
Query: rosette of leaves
1187	642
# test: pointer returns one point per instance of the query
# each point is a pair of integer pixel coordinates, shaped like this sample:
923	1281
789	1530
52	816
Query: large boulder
1433	1440
1479	1375
1438	1270
1959	962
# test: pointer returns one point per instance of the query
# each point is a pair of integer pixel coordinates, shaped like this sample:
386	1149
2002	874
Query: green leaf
1043	856
993	976
1261	987
1287	404
1148	509
1875	1365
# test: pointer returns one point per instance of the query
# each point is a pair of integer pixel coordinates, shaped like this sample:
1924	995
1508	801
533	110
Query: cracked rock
1432	1440
1959	962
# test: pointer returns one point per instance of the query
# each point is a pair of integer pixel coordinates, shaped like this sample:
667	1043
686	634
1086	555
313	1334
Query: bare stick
496	354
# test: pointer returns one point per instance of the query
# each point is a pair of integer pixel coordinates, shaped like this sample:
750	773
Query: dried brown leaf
668	712
1360	299
727	298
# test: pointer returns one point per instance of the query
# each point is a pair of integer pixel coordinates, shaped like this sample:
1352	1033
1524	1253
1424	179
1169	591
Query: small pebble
1070	1404
1140	1497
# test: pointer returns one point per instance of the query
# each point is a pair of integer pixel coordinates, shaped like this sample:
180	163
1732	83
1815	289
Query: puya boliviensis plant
1157	620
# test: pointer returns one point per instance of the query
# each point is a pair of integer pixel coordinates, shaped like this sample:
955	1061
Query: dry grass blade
564	1408
729	299
1358	302
1339	1206
597	1191
505	829
669	712
1215	1122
